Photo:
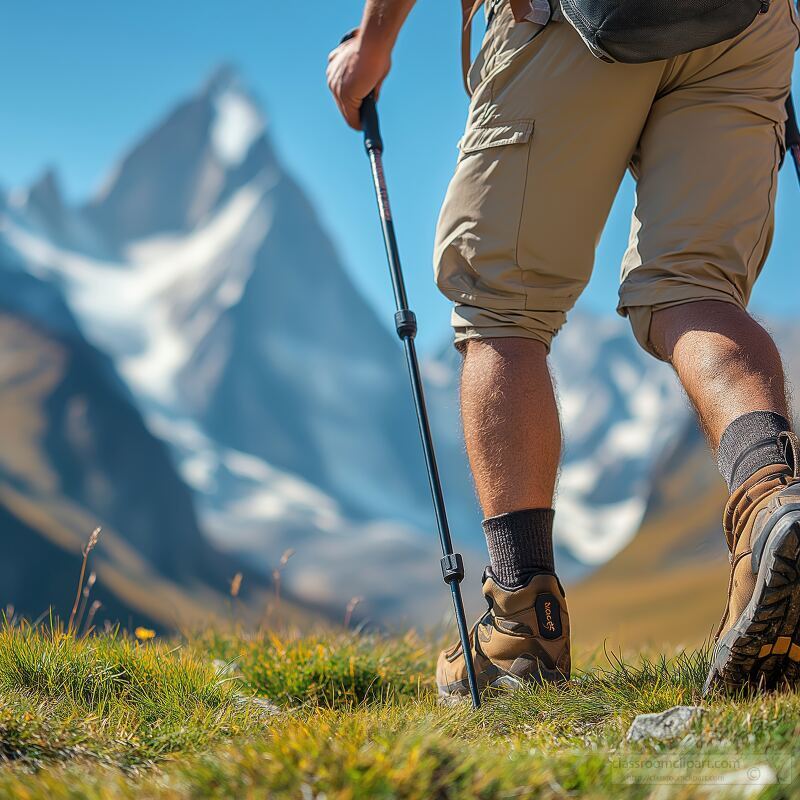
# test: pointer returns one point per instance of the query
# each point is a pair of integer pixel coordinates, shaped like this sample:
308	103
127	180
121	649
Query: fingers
352	74
349	105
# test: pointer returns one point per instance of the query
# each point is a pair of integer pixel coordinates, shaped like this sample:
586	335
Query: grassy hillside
349	716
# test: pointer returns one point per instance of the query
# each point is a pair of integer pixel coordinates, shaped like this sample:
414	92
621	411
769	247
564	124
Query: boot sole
762	649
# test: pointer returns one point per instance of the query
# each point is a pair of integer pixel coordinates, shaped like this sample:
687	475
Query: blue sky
81	81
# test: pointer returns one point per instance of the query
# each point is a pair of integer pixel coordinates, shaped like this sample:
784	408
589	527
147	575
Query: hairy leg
511	424
727	363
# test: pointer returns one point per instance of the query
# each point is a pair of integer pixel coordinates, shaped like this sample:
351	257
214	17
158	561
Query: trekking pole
793	135
406	325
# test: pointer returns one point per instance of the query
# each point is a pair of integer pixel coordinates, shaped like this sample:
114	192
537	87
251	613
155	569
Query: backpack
636	31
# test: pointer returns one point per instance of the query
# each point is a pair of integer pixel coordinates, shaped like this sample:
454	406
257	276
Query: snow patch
236	126
128	307
594	533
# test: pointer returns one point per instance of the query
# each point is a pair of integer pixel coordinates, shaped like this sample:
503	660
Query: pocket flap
498	135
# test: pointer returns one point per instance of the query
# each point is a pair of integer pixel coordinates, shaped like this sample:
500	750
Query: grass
107	716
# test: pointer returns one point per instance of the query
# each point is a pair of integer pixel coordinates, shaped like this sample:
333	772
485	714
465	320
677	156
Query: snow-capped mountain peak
208	147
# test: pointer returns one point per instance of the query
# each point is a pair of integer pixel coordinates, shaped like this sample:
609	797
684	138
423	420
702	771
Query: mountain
201	270
208	148
668	584
220	302
77	455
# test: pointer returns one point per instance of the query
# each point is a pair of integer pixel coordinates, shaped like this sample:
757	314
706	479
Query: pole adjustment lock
406	323
453	568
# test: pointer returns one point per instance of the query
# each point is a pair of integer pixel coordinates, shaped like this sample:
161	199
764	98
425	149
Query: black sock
749	444
520	544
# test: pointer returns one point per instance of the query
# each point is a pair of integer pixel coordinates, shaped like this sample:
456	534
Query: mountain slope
216	301
77	455
219	301
207	148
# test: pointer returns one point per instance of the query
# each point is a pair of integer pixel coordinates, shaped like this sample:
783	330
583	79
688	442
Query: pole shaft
374	148
387	224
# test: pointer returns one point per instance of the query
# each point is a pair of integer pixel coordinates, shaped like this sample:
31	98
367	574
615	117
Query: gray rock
260	704
669	724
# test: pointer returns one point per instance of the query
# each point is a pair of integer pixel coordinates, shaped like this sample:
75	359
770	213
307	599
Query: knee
719	338
660	329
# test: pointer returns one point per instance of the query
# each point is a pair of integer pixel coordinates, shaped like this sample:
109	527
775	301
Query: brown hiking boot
523	637
758	639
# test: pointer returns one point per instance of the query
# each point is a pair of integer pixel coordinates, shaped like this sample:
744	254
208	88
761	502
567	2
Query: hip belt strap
523	10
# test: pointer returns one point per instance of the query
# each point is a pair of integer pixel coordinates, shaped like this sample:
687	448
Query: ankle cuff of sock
750	443
520	543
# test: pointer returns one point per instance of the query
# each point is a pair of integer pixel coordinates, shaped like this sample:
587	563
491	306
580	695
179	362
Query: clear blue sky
81	81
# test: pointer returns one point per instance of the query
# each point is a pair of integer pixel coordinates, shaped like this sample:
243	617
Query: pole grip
370	124
369	112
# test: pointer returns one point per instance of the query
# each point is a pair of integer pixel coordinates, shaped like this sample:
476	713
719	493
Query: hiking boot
757	644
523	637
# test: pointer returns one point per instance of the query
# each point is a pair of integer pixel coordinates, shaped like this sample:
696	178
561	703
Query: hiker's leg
727	363
515	248
541	160
707	168
511	424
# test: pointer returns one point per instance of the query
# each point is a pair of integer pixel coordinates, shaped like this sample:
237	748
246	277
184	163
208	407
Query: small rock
669	724
266	707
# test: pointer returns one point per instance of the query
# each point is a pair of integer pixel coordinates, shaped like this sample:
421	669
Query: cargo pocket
500	134
478	232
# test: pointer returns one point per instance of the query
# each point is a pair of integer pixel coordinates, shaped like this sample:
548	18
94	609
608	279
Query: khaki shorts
550	133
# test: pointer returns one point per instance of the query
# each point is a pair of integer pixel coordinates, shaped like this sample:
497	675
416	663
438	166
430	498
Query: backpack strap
469	8
537	11
792	130
793	134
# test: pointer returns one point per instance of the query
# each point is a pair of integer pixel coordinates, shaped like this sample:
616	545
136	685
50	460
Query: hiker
551	130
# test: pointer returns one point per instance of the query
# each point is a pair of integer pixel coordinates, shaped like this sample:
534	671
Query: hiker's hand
354	70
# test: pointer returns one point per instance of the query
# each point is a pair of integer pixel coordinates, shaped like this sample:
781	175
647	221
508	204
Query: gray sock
520	544
749	444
